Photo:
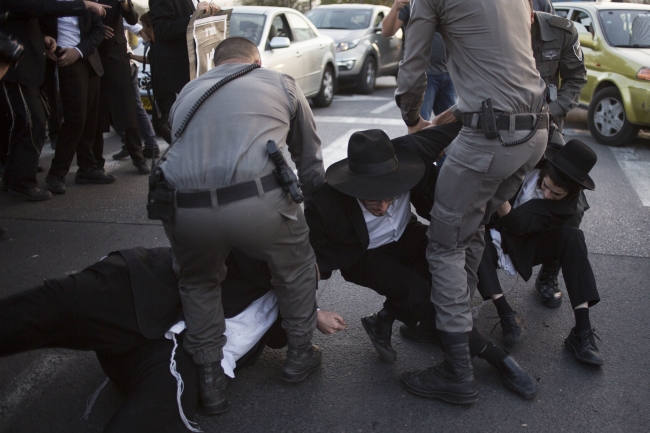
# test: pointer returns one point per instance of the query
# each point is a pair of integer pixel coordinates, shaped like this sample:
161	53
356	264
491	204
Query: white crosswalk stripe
635	163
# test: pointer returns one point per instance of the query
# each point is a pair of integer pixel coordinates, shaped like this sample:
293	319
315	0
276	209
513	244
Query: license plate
146	103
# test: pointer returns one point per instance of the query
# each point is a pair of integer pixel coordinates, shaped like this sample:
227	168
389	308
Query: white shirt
390	226
69	33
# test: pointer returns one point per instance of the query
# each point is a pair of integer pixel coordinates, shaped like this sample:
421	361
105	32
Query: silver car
362	52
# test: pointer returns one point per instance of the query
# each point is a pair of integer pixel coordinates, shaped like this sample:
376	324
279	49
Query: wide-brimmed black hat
575	159
374	169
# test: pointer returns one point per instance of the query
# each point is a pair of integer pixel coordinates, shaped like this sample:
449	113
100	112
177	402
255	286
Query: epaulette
561	23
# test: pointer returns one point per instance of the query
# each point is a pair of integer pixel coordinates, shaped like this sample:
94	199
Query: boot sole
552	304
216	409
384	353
298	377
445	396
54	190
570	348
514	388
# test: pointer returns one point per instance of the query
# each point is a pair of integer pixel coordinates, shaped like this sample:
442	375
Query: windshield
345	19
625	28
248	26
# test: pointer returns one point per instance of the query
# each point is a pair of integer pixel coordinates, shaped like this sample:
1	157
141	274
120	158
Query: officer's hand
96	8
399	4
209	8
330	322
420	125
69	56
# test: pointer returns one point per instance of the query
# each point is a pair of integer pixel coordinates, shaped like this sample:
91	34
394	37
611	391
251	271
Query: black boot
451	381
379	328
512	328
301	360
212	388
420	333
515	378
547	286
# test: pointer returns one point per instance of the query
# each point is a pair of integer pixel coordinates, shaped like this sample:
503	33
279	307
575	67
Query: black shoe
547	286
55	184
301	360
94	175
30	194
516	379
511	326
212	388
420	334
379	328
584	346
122	154
151	153
451	381
142	166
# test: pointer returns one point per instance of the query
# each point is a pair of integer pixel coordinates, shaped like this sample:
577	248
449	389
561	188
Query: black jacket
337	229
23	25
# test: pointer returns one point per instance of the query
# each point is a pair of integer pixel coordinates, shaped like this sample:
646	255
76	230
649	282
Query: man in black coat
22	102
540	224
360	222
121	307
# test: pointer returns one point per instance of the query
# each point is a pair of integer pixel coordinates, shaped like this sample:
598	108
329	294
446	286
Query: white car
290	43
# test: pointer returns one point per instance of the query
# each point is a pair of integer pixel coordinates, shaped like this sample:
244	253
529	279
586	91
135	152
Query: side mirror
280	42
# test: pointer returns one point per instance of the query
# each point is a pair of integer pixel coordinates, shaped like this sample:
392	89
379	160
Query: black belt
523	122
227	194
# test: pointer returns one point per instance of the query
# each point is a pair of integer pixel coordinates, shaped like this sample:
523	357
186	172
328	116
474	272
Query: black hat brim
408	173
550	153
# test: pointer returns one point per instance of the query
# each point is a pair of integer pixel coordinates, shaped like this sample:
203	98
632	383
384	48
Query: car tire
368	76
326	93
607	121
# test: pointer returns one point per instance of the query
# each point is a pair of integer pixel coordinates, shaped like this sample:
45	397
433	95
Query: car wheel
326	93
368	76
607	121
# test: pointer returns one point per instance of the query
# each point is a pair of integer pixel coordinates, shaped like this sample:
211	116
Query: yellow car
615	40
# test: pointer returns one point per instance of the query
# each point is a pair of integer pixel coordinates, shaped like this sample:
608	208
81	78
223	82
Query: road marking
357	98
387	106
361	120
576	132
635	163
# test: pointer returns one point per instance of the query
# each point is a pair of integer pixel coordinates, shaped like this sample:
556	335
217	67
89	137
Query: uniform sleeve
303	142
39	8
167	27
412	79
573	75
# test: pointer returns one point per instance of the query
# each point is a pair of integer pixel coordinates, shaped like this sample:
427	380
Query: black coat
337	229
23	25
116	98
170	19
91	34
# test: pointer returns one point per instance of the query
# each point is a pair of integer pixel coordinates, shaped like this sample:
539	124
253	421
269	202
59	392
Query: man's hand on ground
208	7
69	56
96	8
330	322
420	125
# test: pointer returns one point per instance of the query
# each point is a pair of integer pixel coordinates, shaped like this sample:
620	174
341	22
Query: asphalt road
46	391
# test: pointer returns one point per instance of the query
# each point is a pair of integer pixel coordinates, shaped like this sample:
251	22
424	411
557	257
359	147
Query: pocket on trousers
469	156
445	226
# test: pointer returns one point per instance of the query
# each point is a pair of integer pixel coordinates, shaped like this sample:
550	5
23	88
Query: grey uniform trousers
269	227
476	178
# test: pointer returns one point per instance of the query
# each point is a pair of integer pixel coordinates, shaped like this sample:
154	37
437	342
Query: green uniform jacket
558	55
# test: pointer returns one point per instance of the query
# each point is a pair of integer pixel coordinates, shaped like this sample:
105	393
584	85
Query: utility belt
227	194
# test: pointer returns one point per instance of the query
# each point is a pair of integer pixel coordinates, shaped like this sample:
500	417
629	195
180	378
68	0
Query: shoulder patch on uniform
577	50
561	23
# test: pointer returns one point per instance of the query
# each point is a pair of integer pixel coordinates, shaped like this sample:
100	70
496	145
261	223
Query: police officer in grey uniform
227	196
501	102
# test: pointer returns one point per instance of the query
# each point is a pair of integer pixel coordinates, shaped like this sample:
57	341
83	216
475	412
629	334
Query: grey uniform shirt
225	141
437	64
489	56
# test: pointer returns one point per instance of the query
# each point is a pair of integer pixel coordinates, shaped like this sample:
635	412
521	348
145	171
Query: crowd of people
484	161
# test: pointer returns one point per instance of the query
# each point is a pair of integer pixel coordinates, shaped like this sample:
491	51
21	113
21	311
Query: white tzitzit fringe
180	386
93	398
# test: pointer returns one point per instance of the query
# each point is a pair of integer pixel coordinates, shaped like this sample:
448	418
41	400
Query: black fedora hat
575	159
374	169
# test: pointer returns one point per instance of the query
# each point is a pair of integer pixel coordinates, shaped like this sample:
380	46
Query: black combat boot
451	381
547	286
212	388
379	328
301	360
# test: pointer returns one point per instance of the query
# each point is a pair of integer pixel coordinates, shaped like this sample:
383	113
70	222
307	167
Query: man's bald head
236	50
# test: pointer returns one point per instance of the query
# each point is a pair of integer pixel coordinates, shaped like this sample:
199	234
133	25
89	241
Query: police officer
227	196
501	104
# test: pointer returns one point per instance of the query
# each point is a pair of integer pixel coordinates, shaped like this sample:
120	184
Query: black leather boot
420	333
301	360
212	388
515	378
547	286
379	328
451	381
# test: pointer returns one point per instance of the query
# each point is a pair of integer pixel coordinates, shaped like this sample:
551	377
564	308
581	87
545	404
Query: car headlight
643	74
344	46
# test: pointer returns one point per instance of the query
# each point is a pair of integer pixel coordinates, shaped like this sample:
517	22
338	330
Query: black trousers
26	134
94	315
79	86
400	272
50	89
132	143
564	244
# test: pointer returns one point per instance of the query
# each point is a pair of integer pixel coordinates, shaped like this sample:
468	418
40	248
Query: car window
346	19
562	12
583	18
249	26
379	19
299	28
626	28
279	28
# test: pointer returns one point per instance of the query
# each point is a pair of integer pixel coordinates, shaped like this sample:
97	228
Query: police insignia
577	50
